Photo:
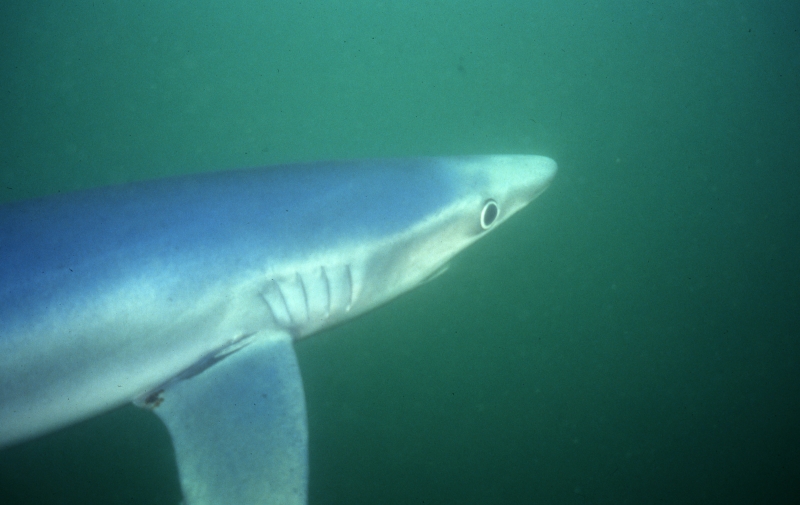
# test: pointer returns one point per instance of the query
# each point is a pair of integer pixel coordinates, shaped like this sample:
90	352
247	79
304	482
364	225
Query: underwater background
631	337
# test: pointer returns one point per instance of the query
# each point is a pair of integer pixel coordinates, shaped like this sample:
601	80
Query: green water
632	337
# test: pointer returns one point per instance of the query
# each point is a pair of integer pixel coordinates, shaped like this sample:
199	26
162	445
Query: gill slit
350	282
305	294
285	303
327	291
266	298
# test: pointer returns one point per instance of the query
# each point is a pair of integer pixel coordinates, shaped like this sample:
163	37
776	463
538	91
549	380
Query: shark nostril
489	214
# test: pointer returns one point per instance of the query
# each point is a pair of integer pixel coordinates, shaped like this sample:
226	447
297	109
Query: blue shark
185	295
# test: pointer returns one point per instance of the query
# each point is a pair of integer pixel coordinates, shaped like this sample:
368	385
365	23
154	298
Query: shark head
485	191
403	228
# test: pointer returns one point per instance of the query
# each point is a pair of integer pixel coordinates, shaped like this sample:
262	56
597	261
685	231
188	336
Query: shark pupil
489	214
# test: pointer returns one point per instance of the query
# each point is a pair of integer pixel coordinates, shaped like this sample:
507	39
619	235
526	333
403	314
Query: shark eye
489	214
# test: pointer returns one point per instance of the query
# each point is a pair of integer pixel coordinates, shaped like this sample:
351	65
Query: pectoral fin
239	427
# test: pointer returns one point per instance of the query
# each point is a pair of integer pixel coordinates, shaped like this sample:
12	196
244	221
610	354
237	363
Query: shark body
184	296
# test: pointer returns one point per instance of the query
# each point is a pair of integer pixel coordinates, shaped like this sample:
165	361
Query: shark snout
533	174
518	179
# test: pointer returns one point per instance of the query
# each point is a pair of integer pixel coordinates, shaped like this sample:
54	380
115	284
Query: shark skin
184	295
